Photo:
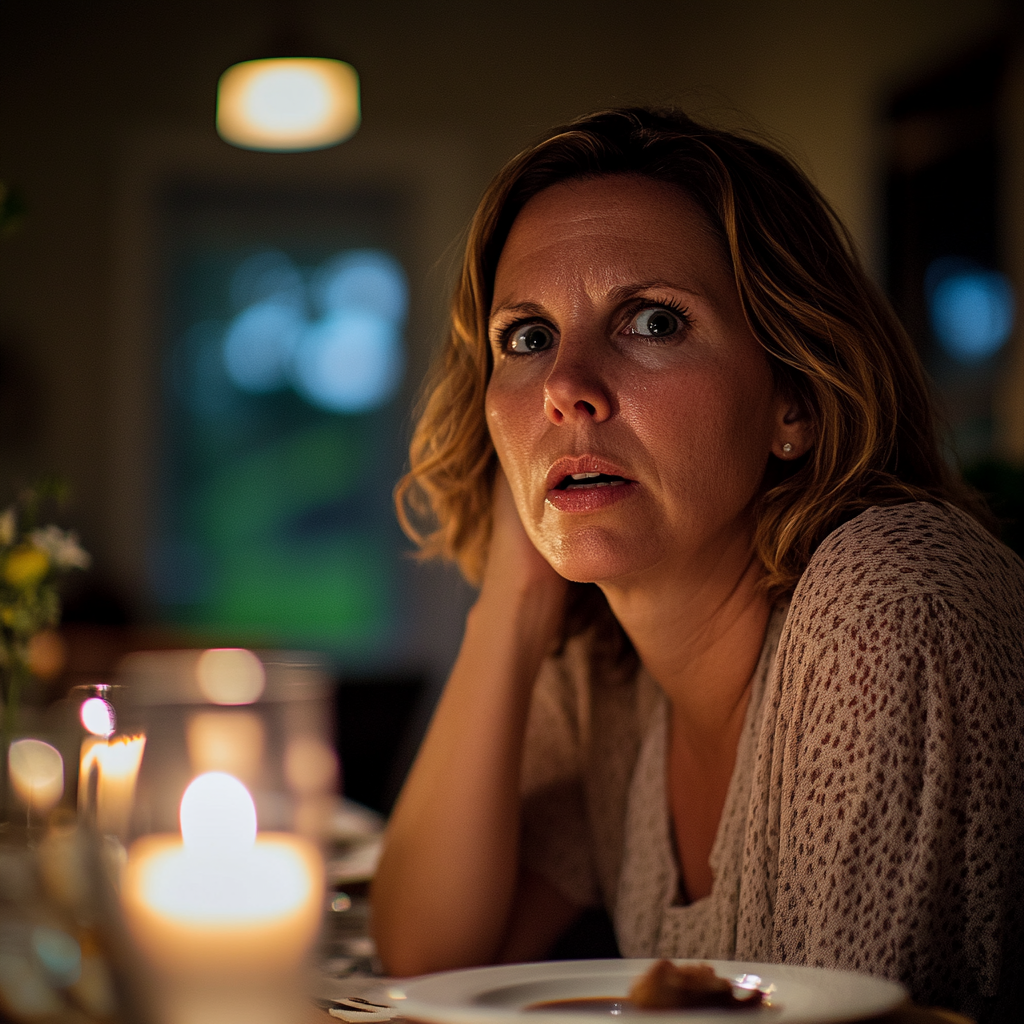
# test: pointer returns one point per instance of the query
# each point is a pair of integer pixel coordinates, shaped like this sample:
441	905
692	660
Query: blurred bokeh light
346	359
288	103
971	309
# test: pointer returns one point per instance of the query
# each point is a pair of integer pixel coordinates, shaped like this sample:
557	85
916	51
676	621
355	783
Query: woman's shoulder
891	733
914	551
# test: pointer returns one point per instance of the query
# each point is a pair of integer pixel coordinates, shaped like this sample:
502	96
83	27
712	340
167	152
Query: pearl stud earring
787	447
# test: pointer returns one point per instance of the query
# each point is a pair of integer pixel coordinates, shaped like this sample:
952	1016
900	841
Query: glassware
222	886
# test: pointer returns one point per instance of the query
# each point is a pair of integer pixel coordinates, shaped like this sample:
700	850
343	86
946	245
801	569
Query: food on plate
668	987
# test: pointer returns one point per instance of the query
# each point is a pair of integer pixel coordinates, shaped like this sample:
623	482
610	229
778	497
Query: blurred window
944	225
283	417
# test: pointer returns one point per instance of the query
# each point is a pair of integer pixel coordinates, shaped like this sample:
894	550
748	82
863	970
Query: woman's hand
448	891
517	576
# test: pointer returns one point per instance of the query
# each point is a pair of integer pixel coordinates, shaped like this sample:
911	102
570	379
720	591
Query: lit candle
116	763
37	774
220	900
88	773
120	760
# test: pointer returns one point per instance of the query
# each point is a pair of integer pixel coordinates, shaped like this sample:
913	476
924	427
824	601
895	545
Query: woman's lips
587	483
591	497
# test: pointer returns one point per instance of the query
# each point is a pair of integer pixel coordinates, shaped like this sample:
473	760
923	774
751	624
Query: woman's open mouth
576	480
589	491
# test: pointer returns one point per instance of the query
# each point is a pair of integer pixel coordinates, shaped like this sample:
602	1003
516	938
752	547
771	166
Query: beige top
875	817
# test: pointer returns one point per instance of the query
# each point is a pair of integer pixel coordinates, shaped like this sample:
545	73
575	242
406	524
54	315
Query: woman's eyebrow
617	294
625	291
517	309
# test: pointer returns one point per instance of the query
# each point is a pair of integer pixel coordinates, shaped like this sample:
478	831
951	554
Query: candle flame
98	716
218	817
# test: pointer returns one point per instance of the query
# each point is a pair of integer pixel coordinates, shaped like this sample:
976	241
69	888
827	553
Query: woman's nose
575	388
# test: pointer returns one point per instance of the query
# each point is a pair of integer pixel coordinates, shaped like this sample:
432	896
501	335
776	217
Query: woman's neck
700	639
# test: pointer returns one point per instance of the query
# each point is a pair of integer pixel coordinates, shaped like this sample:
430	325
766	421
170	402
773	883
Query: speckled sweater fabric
875	818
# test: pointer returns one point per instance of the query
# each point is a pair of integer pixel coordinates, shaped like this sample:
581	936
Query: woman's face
631	407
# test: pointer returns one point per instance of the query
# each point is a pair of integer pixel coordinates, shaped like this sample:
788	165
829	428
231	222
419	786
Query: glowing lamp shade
288	103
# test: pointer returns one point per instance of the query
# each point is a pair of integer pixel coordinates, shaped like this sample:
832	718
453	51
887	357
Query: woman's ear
794	430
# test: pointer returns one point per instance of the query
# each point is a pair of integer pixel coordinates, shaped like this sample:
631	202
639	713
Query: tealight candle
222	900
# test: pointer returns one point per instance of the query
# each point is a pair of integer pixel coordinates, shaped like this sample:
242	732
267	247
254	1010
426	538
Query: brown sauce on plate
619	1006
612	1005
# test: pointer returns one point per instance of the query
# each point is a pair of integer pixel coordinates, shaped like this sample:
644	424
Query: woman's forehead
633	197
593	226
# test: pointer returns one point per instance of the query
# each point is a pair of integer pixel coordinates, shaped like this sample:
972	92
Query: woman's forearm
444	890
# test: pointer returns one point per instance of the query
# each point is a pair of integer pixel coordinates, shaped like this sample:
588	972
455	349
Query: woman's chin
592	559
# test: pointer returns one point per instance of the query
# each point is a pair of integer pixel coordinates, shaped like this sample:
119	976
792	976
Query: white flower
62	546
8	527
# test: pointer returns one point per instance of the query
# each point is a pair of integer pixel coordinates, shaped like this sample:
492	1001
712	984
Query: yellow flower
26	565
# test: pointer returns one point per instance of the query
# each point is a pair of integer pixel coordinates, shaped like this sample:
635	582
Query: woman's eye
656	322
531	338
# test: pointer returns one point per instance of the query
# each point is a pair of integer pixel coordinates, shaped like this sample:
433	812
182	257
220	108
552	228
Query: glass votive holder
103	761
222	888
64	953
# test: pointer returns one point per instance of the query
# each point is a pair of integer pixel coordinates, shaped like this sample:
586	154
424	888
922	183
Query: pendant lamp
288	103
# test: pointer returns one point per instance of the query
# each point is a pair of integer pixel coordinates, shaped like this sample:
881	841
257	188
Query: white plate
500	995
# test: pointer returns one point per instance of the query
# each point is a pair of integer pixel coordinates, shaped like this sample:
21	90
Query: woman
744	667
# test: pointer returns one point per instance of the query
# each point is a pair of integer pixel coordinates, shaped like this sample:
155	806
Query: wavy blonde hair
832	340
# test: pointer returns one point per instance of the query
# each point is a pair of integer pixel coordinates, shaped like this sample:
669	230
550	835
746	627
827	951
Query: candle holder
223	884
64	952
108	759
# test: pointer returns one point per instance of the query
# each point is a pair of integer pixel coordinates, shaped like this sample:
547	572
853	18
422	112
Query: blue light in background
259	345
349	358
363	279
350	361
971	309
